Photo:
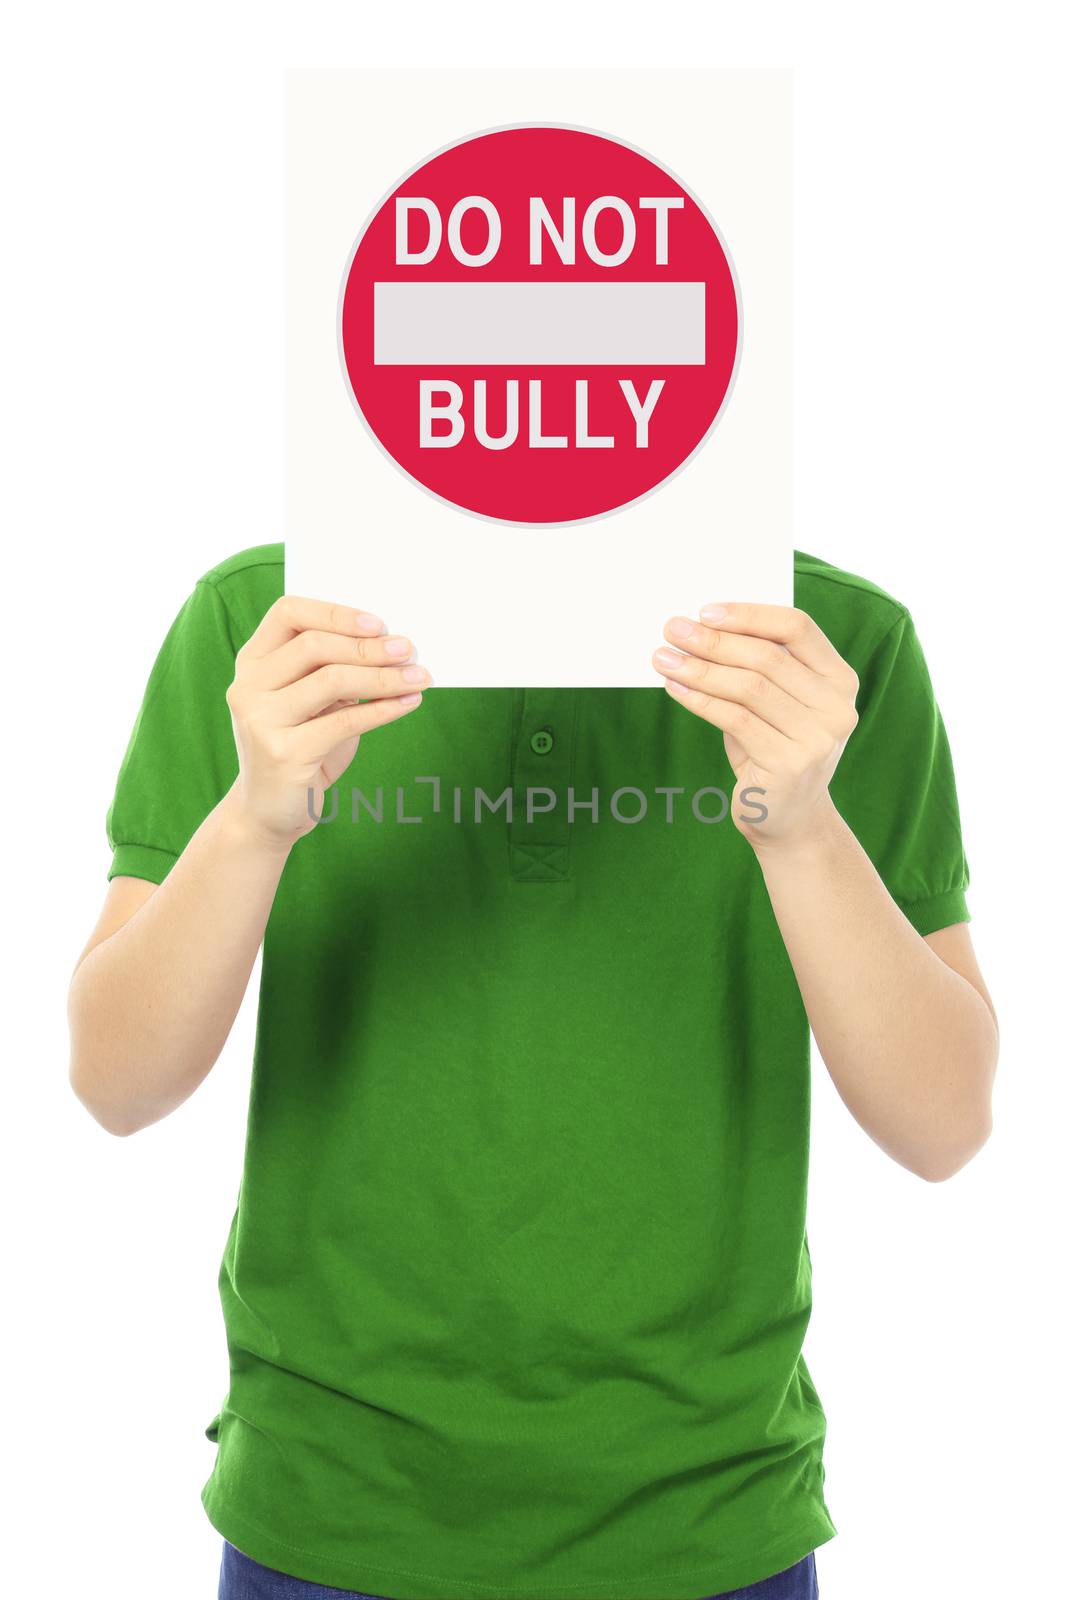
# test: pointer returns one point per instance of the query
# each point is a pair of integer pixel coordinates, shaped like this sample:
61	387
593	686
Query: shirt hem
148	861
715	1577
937	910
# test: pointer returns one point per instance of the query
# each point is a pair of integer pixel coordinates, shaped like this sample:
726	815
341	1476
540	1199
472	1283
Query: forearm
910	1044
152	1004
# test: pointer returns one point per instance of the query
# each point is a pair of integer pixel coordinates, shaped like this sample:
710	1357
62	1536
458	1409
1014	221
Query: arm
904	1024
156	990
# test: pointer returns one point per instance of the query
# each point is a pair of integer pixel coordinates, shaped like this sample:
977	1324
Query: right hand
309	682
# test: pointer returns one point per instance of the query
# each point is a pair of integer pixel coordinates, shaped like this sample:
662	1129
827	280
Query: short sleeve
896	788
181	758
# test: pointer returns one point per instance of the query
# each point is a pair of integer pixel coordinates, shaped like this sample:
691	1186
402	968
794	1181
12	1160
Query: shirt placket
542	767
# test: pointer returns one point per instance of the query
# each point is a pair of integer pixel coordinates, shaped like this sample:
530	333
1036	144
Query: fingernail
367	620
676	688
398	647
407	699
668	658
712	613
415	674
681	628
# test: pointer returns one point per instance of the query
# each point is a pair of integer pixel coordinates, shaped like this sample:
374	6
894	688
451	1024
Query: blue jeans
244	1579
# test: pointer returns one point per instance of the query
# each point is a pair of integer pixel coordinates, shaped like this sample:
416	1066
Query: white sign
539	359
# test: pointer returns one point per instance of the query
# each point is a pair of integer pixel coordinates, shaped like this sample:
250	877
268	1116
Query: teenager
518	1280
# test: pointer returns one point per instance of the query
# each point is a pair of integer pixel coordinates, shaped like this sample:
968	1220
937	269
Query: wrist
822	836
246	831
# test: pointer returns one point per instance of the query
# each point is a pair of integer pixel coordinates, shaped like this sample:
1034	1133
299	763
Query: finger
313	694
762	744
308	651
314	740
800	633
765	656
292	615
745	688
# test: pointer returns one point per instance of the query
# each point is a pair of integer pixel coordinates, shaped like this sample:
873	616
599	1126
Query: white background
727	137
142	431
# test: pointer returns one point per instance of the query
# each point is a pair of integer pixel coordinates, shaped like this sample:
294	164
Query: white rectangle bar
539	324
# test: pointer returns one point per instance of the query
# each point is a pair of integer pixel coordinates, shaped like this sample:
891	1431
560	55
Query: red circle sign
539	325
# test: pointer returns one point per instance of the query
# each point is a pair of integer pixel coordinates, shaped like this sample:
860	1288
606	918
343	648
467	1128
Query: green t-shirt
518	1279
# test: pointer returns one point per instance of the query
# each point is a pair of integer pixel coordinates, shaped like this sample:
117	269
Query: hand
786	703
311	680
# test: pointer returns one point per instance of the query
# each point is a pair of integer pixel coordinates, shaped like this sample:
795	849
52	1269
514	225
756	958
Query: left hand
785	700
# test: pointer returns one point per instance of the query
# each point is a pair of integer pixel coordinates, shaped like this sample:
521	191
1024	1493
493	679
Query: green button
542	742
